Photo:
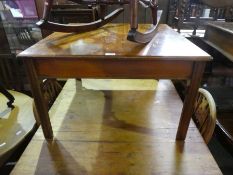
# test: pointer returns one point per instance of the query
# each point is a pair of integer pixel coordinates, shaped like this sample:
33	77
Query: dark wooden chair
50	89
204	114
24	36
73	13
194	14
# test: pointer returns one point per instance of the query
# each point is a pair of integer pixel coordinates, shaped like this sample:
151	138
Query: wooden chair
204	114
24	36
51	89
192	13
220	10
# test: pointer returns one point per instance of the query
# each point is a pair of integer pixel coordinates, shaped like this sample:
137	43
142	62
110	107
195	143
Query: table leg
39	100
189	101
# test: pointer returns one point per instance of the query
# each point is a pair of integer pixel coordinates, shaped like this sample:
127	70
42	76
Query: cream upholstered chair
204	114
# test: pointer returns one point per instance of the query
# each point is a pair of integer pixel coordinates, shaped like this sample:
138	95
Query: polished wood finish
189	100
139	37
117	132
109	43
67	68
40	102
133	14
219	35
78	28
106	53
224	130
15	124
133	35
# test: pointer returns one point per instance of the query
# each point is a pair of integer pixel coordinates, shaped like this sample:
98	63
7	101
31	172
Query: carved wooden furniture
205	114
105	53
133	35
196	13
50	88
73	13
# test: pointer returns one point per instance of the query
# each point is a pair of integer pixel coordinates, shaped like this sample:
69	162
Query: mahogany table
105	53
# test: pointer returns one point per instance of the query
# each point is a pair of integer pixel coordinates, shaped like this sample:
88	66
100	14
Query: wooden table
219	35
105	53
15	124
117	132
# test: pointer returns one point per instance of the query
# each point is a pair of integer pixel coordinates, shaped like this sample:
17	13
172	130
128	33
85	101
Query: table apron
113	68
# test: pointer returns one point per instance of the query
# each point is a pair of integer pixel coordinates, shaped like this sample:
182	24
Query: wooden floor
116	133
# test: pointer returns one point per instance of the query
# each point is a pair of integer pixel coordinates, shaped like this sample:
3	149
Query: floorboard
120	132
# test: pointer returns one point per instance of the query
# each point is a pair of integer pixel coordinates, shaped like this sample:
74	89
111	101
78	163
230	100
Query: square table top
110	41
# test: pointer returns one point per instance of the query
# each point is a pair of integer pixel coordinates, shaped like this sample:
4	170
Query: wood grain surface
124	132
219	35
15	124
111	41
105	53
